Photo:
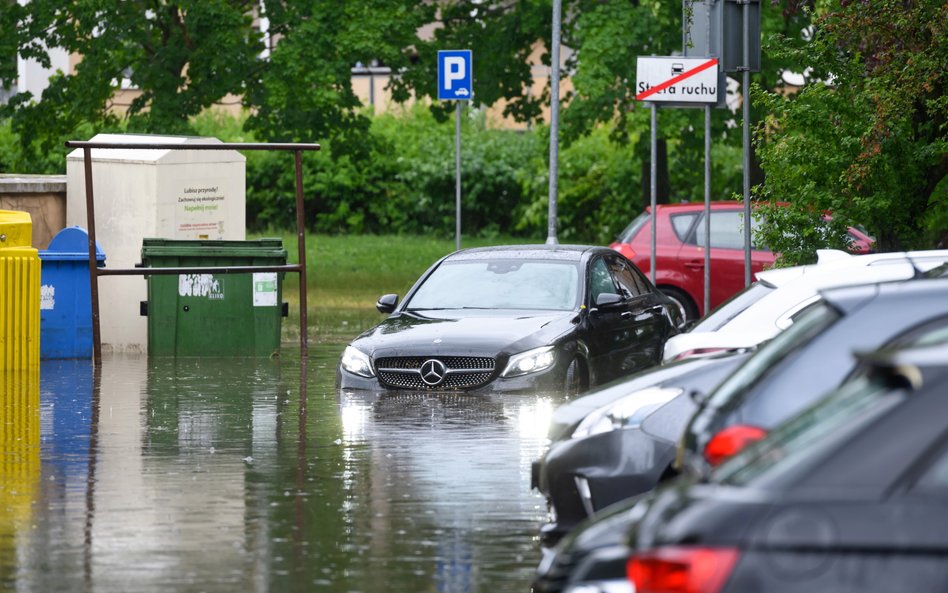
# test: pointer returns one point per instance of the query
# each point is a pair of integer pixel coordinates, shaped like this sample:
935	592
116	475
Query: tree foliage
866	138
183	56
503	36
303	92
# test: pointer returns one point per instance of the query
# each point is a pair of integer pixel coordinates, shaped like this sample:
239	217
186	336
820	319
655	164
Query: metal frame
95	271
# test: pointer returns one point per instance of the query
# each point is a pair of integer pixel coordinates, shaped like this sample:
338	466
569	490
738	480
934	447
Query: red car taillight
624	248
730	442
681	569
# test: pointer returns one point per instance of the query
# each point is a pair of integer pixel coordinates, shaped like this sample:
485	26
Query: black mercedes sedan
555	318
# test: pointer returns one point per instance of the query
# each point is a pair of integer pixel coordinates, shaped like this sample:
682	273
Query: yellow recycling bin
19	293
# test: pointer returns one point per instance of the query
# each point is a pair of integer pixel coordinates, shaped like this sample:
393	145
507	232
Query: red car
679	253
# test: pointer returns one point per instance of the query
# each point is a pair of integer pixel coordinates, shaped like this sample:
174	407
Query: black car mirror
608	298
386	303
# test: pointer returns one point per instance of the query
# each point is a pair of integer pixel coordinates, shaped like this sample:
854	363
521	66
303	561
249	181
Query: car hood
466	332
696	373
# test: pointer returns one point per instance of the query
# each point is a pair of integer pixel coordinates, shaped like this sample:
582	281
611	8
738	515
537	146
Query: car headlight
627	412
357	363
531	361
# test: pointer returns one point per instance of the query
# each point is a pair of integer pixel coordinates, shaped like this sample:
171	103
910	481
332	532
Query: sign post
455	83
554	126
729	29
683	82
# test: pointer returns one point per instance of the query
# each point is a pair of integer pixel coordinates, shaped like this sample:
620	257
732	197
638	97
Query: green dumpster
214	314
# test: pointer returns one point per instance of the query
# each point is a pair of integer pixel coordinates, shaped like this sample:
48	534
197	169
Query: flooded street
230	475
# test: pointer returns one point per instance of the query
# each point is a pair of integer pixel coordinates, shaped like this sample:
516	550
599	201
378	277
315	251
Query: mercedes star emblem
433	372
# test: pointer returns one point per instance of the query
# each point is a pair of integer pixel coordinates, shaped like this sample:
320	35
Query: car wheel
576	381
687	307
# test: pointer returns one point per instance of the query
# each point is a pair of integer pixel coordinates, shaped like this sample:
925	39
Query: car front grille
460	372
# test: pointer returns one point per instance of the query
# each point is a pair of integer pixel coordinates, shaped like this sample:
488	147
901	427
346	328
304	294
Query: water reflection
256	475
449	473
19	463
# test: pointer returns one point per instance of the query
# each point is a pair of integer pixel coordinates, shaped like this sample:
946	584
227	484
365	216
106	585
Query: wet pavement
212	474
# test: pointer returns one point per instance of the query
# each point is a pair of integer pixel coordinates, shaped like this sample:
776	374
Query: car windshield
809	325
779	460
732	307
500	284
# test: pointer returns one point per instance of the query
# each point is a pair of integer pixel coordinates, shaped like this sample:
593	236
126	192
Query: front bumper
551	381
582	476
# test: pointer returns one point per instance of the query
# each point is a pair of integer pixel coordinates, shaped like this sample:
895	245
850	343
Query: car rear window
629	232
772	353
727	231
779	460
682	224
732	307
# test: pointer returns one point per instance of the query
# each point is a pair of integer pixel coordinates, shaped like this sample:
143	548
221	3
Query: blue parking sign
455	75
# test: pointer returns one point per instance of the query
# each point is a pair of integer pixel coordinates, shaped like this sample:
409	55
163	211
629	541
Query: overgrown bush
598	189
404	180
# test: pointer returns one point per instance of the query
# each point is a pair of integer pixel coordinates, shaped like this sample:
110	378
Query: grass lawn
346	274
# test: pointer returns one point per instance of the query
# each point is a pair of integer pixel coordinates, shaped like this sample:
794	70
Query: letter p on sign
455	69
455	75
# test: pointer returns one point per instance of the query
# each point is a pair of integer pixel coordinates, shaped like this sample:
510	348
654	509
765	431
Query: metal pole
745	104
707	209
653	182
93	264
301	246
554	123
457	175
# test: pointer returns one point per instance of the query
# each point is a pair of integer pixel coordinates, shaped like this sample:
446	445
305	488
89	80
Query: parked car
619	440
592	557
679	251
850	495
515	319
792	290
810	358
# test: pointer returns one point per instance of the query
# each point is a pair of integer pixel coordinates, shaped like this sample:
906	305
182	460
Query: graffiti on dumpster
200	285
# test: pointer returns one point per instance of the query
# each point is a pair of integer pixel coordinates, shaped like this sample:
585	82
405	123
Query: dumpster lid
72	243
202	248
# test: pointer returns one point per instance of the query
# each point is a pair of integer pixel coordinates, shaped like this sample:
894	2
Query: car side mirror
386	303
608	298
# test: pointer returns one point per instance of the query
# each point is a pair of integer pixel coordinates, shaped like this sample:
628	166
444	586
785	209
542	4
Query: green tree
503	36
607	37
866	138
182	55
303	92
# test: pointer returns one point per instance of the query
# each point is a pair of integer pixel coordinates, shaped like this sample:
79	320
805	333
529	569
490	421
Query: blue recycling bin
65	295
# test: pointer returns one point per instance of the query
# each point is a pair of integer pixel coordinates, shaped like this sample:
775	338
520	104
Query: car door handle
694	265
626	315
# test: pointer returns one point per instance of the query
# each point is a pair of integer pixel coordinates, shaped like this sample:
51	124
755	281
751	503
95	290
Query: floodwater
207	474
